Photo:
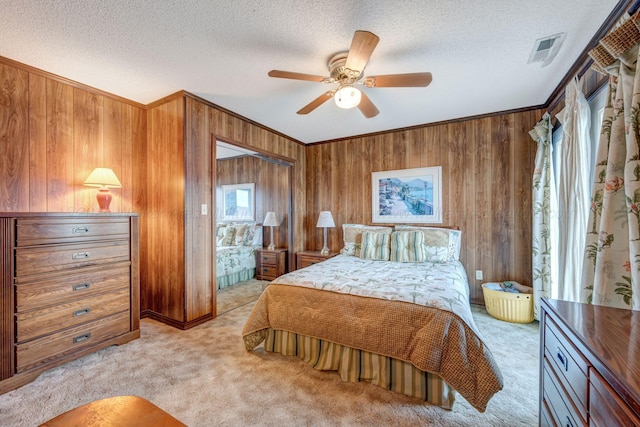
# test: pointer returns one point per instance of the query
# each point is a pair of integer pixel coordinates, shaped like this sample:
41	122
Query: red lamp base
104	200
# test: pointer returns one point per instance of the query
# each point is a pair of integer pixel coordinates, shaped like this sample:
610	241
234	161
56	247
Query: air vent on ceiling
545	49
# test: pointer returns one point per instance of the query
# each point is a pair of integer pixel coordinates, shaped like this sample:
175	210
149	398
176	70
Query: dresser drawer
30	231
606	407
55	346
269	272
568	364
34	260
59	288
269	258
561	409
32	324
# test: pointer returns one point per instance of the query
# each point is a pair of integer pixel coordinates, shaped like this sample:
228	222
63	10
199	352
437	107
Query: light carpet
239	294
204	377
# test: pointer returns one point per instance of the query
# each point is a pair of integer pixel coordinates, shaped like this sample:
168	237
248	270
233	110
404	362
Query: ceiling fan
347	69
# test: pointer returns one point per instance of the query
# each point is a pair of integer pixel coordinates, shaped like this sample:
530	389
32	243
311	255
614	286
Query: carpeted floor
204	377
237	295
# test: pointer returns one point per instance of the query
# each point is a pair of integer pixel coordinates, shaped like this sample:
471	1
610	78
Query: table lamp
271	220
325	220
103	178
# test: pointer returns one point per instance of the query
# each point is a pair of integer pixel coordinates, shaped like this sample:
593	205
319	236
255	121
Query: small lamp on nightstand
272	221
103	178
325	220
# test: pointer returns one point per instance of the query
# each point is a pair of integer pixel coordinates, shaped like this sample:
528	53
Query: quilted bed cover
415	312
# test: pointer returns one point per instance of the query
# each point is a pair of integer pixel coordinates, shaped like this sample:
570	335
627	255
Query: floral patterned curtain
612	256
544	215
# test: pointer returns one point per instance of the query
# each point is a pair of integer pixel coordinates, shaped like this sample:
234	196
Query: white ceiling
144	50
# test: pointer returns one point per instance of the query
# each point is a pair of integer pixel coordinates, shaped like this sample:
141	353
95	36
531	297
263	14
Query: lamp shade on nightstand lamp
103	178
325	220
271	220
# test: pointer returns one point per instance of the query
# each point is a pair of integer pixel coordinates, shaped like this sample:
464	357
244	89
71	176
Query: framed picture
407	195
239	201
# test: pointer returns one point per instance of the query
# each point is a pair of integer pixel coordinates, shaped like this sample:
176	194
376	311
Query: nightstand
270	264
307	258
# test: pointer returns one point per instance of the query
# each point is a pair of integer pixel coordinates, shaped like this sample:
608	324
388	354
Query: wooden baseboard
173	322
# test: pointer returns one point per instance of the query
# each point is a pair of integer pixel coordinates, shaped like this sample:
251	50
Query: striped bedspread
417	313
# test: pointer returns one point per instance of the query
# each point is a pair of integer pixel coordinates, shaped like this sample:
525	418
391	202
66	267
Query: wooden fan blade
399	80
316	102
366	107
295	76
361	49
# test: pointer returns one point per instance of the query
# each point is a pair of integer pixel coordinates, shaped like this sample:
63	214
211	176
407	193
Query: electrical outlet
478	274
204	210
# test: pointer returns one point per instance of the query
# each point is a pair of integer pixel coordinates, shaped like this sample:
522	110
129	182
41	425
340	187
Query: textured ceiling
144	50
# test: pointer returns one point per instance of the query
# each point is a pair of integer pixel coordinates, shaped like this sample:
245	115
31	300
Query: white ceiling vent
545	49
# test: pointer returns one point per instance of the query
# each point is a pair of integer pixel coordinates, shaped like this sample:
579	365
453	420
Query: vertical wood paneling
37	143
486	166
60	161
87	146
57	133
198	228
14	139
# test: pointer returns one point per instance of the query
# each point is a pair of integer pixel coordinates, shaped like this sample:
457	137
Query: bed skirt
233	278
357	365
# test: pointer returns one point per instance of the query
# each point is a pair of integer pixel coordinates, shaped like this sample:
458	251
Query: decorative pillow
257	236
352	236
407	246
249	234
375	246
241	231
220	227
229	236
437	240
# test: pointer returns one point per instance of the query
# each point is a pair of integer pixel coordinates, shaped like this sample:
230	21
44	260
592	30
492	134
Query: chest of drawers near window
75	289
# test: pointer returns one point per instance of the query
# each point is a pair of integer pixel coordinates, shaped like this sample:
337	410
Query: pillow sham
241	234
352	236
375	246
437	240
407	246
229	236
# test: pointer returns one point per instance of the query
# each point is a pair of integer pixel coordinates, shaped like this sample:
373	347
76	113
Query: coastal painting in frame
407	196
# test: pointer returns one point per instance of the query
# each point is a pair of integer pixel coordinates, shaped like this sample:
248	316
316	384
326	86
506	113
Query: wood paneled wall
272	189
53	133
487	167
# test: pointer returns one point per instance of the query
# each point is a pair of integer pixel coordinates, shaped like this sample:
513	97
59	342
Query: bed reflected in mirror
248	185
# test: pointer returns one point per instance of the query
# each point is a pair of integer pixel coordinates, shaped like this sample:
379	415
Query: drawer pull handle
81	312
563	360
78	230
569	423
81	286
82	337
80	255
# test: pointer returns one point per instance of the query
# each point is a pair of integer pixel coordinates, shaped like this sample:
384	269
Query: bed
236	245
401	321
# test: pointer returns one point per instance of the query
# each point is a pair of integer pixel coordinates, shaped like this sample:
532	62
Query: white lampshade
347	96
103	177
325	220
271	219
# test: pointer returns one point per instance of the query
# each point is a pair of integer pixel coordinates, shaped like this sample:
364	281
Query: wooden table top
121	411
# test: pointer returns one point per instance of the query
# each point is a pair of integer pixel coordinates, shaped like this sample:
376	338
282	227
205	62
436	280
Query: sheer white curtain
574	196
544	216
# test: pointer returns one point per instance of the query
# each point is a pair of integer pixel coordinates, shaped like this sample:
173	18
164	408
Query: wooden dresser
590	365
69	286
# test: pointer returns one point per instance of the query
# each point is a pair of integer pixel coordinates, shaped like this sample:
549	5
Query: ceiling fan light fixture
347	97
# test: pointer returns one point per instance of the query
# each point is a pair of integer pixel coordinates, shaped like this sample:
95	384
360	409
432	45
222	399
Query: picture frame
239	202
407	196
